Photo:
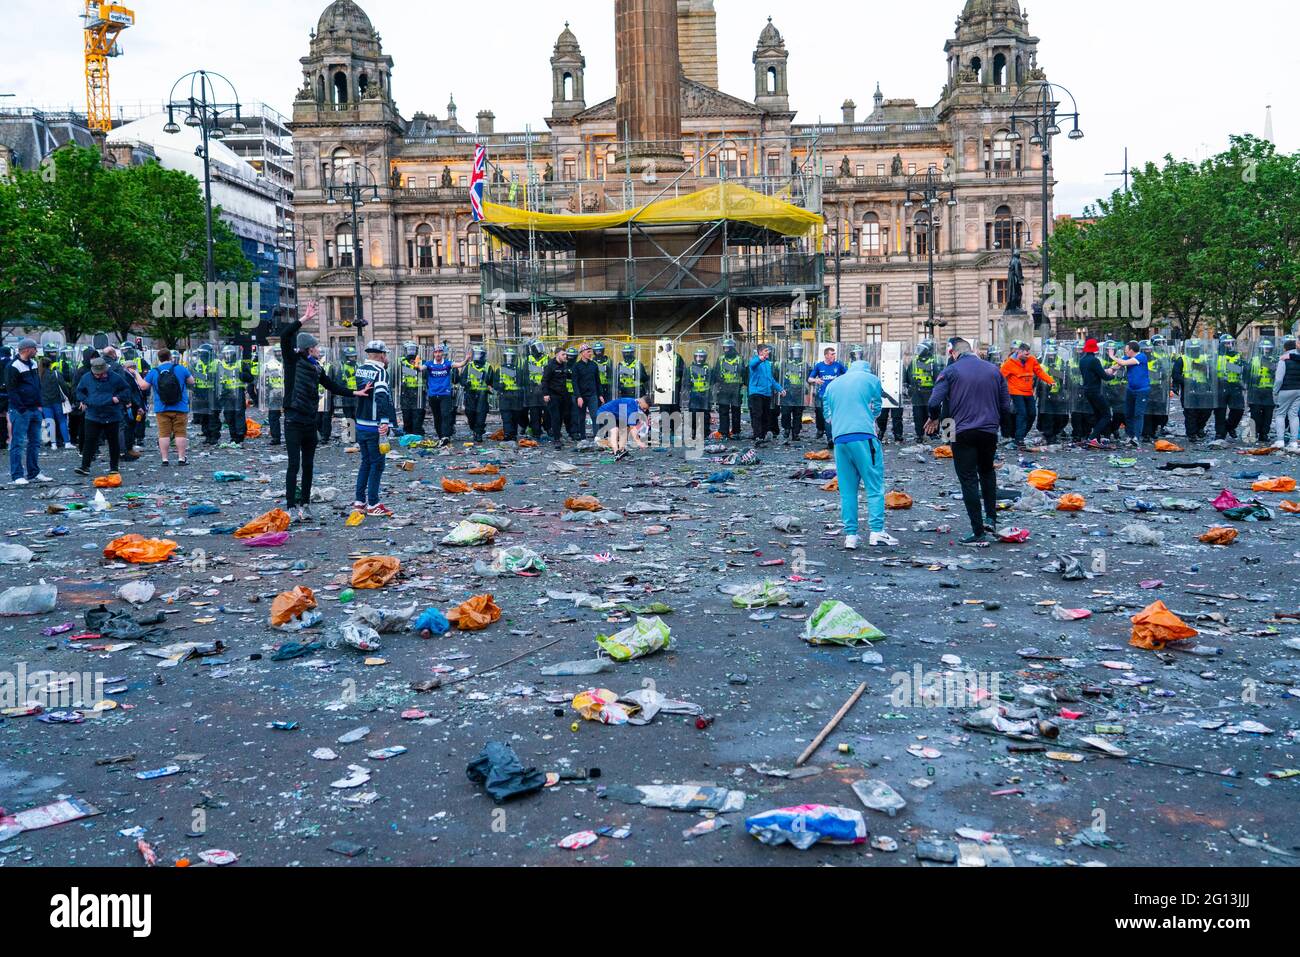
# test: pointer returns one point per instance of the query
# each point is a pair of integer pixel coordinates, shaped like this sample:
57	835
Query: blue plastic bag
433	621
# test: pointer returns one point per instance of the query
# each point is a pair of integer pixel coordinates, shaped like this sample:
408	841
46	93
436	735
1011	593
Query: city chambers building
566	247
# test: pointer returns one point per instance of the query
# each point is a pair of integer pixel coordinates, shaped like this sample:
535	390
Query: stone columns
649	84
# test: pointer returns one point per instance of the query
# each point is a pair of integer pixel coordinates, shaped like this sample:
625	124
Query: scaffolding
702	252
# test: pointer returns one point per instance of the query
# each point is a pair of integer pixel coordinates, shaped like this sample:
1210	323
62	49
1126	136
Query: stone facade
420	253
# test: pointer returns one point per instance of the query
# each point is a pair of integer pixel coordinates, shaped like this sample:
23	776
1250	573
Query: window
1001	156
771	79
997	292
1000	70
911	169
880	169
340	89
871	238
343	165
424	307
569	168
424	247
921	234
731	161
861	169
871	296
922	294
873	336
345	310
432	182
1001	236
463	180
474	306
830	170
773	164
568	87
468	248
345	245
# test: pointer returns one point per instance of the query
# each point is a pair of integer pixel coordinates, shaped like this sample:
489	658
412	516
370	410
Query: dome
976	8
344	18
771	36
567	42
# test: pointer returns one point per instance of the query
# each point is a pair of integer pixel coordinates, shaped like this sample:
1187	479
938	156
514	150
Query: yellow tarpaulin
729	201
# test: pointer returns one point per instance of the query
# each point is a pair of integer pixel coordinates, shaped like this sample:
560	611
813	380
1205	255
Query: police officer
534	368
1115	388
699	396
411	389
1161	364
133	427
478	379
1053	400
729	375
605	367
254	365
345	371
919	379
204	402
511	388
1260	376
793	377
232	380
275	393
1232	396
632	379
1192	379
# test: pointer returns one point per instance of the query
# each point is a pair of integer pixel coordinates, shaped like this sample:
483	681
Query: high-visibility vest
202	375
275	377
794	380
230	375
700	379
349	375
629	377
731	367
1196	370
536	368
477	377
603	365
922	374
1230	369
509	379
411	374
1261	374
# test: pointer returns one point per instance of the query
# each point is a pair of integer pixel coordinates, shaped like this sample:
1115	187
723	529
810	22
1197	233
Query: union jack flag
477	181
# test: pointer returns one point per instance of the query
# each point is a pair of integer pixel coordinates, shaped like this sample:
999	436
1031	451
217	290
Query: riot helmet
796	351
729	346
599	349
701	355
629	352
410	349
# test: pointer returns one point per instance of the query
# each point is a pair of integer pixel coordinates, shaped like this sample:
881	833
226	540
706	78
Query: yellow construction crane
103	23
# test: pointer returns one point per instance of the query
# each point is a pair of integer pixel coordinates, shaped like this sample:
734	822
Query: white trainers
1279	444
21	481
44	478
882	538
851	542
1293	447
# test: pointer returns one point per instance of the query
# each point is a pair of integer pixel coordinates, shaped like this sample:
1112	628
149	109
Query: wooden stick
485	671
830	725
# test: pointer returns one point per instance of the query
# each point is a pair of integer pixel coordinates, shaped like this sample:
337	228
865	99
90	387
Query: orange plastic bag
252	430
1043	479
484	470
496	486
1156	626
898	500
1266	450
454	486
583	503
276	520
527	444
1292	507
943	452
832	486
821	455
498	436
1070	502
1283	484
1164	445
108	481
475	614
139	550
291	604
1220	535
374	571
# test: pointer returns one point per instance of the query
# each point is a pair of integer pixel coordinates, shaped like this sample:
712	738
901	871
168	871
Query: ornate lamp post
929	189
354	193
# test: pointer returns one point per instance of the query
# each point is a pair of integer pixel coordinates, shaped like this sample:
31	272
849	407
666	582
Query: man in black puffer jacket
304	376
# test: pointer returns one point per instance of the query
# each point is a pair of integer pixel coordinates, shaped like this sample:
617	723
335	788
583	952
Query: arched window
1002	228
872	242
1000	70
921	233
340	89
1020	69
1001	158
345	243
424	251
363	84
977	65
343	165
568	87
771	79
320	90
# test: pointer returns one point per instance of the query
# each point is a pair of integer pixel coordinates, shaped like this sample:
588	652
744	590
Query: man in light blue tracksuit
852	404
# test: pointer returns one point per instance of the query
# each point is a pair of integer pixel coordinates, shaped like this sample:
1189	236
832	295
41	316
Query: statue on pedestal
1015	284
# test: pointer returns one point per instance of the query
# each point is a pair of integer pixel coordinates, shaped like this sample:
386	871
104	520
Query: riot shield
1200	374
1079	405
1261	367
270	389
920	374
406	374
1160	363
664	380
1231	368
731	371
1056	399
791	372
890	370
1114	387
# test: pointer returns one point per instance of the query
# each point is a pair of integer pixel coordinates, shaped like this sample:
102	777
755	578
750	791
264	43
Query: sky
1154	76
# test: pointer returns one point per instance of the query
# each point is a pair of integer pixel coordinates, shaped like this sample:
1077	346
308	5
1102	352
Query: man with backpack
169	381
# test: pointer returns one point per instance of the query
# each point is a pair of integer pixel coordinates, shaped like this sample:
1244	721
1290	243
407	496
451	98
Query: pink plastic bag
1226	500
268	540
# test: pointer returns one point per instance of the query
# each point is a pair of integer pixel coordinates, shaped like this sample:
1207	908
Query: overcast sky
1156	76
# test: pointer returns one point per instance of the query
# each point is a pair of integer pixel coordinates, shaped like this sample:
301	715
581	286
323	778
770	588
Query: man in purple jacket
977	397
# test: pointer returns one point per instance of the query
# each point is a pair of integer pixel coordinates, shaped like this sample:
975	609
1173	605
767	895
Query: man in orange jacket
1020	370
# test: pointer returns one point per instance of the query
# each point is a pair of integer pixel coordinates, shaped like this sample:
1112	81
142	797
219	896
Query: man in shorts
171	405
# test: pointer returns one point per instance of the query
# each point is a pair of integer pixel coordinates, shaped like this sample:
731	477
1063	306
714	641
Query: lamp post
354	193
203	111
928	189
1044	114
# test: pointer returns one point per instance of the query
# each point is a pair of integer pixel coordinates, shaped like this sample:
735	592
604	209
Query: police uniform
792	376
203	403
699	398
233	379
1260	376
535	409
729	374
411	376
275	398
478	379
1232	397
919	379
512	386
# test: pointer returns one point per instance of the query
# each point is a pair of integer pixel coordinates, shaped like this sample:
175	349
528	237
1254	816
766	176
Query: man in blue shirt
763	392
172	417
853	402
442	402
822	375
620	419
1138	371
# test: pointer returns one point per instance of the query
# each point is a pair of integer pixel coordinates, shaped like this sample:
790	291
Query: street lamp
354	193
203	112
929	188
1043	114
